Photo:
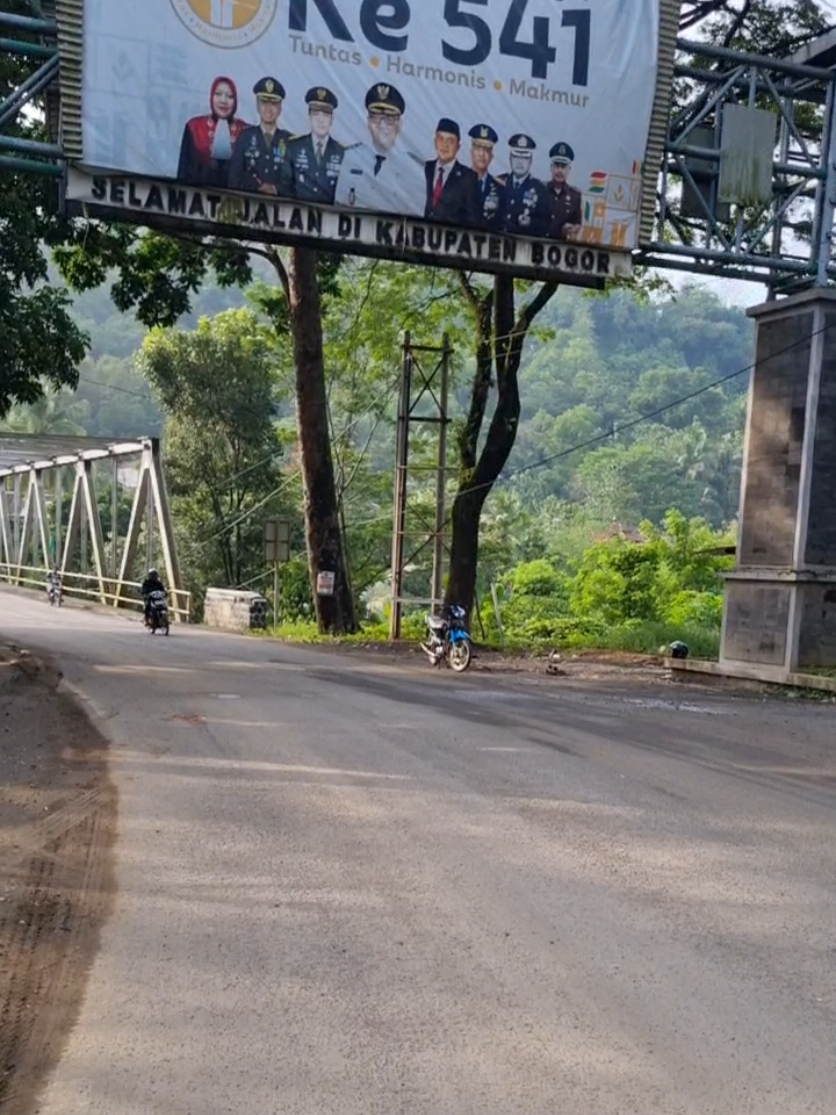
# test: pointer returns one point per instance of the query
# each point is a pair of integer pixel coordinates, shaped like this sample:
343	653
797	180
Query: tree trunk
499	345
464	548
335	614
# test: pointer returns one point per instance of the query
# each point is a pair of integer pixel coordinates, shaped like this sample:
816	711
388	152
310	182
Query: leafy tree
39	342
217	385
54	412
500	333
118	399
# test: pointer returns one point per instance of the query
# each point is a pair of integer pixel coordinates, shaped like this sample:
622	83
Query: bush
689	608
296	601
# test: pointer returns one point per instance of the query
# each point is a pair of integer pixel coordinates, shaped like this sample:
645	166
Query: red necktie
439	186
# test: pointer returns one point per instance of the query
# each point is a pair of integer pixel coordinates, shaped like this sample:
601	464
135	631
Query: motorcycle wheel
458	656
166	629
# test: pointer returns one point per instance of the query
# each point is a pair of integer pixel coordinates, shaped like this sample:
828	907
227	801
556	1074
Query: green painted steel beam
30	146
31	166
28	50
27	23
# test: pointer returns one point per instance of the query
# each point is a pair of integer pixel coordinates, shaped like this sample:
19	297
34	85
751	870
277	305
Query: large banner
498	119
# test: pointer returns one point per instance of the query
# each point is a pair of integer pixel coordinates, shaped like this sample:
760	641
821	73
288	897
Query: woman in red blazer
208	140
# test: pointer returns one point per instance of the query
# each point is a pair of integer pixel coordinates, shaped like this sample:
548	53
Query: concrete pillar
780	608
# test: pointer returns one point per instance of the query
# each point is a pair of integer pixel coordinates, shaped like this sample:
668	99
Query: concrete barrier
235	610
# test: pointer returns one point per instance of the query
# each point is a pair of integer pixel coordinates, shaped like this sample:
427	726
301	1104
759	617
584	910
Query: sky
732	292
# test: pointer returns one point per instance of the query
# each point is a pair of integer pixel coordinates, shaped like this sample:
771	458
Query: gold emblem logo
383	92
523	142
269	86
322	94
484	132
229	24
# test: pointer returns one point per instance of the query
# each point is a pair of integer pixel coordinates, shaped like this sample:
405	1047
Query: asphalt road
349	888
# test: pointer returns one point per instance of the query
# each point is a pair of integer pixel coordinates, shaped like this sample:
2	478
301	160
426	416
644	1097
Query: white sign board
276	539
503	119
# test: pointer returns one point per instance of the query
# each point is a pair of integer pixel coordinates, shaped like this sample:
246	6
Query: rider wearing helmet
53	581
152	583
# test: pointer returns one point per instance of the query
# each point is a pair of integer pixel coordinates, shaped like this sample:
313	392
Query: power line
633	422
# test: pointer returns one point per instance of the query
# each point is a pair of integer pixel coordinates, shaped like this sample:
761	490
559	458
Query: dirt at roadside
57	829
587	666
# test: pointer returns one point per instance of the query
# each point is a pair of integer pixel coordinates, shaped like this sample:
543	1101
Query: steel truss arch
38	530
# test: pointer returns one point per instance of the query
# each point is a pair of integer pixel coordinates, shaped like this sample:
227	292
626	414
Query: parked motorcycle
157	618
449	639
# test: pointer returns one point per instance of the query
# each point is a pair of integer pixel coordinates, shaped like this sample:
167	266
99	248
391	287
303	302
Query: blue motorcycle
449	639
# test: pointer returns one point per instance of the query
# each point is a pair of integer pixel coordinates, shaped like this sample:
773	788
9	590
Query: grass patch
633	638
650	638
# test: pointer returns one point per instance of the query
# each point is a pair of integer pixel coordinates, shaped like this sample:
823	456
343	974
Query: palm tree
54	413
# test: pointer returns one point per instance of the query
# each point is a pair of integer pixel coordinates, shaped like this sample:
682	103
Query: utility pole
424	397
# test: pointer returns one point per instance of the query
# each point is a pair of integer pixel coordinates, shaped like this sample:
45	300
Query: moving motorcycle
449	639
54	591
157	618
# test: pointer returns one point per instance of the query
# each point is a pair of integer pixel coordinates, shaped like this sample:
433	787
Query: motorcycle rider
152	583
53	582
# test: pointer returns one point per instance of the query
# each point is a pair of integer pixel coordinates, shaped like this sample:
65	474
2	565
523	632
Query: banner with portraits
498	119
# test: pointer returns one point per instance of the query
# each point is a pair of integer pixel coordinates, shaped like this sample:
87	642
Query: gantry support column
780	608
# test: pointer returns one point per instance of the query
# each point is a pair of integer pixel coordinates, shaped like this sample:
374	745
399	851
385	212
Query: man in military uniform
490	190
377	175
527	211
451	187
260	152
314	160
566	219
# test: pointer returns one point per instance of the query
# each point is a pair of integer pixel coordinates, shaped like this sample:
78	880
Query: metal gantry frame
787	244
425	388
35	535
34	37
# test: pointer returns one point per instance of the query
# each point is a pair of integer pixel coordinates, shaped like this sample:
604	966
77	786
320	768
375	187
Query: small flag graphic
597	182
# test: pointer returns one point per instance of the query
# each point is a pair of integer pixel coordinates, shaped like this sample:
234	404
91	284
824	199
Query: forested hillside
596	366
631	408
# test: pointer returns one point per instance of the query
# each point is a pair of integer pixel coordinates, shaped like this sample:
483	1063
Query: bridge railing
88	586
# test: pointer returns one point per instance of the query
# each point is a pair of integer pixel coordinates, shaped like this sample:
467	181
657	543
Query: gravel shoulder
57	831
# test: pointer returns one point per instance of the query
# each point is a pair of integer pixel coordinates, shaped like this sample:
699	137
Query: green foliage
56	413
621	593
40	344
295	601
218	386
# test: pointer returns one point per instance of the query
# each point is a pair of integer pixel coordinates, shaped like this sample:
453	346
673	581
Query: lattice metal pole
401	483
419	385
441	477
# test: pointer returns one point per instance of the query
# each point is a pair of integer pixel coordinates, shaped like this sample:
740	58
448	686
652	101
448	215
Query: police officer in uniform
527	210
566	219
379	175
490	190
260	152
314	160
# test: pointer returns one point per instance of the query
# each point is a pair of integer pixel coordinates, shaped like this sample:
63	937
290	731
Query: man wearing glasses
380	176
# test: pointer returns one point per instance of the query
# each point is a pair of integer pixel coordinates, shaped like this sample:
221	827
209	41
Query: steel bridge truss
786	243
40	531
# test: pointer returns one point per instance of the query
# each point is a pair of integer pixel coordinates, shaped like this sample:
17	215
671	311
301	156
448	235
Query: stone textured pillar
780	608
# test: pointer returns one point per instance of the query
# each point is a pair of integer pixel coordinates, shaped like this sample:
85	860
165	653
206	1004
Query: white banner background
149	65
